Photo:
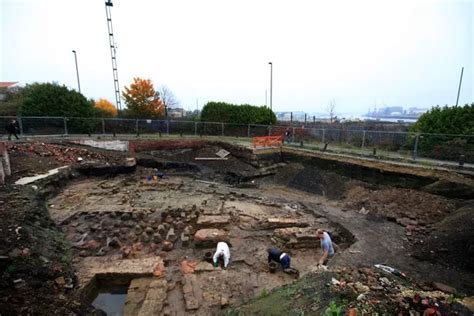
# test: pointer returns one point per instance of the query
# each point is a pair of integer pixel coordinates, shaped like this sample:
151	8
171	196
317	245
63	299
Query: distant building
4	86
176	112
415	110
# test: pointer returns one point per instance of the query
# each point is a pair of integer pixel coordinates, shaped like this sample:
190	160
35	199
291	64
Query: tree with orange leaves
142	100
105	108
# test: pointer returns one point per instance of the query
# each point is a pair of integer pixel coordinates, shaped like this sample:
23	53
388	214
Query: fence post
270	130
103	126
415	148
248	130
195	128
324	136
363	139
293	135
222	129
168	128
20	122
65	126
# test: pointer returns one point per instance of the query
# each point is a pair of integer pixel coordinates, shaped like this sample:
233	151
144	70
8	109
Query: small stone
184	239
171	236
180	225
157	237
102	252
149	230
132	237
138	230
60	281
224	301
144	237
137	247
444	288
361	288
126	251
167	245
83	253
152	248
188	230
161	229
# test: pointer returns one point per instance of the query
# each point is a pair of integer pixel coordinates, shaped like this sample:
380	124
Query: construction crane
113	53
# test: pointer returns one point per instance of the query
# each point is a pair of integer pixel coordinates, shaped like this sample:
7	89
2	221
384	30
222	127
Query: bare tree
168	98
331	110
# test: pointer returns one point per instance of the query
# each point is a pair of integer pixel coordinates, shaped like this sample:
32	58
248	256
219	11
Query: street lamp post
271	84
77	71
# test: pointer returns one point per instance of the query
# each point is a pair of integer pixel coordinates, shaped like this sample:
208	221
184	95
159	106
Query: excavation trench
139	242
140	235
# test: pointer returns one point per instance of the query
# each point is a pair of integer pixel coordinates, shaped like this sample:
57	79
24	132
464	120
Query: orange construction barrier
267	141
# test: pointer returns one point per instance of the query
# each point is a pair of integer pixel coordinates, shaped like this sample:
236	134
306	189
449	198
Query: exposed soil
450	240
113	224
424	208
34	158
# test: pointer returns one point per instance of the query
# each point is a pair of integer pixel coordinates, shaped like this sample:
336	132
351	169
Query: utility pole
77	72
271	84
113	52
266	98
459	89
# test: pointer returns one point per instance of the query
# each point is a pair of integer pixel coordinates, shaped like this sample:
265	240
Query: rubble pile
62	154
371	291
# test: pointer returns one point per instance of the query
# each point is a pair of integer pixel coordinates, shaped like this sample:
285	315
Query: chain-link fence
346	140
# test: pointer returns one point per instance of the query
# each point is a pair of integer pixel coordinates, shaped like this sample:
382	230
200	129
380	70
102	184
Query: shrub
447	120
237	114
51	99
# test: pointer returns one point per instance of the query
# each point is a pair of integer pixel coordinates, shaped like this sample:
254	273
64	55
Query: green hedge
237	114
447	120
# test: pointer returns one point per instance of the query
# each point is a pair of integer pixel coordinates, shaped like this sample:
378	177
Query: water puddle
111	300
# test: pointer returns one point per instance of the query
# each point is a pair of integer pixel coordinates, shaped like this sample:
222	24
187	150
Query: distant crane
113	53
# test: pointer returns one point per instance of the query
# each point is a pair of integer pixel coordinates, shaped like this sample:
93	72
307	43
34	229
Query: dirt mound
398	203
451	241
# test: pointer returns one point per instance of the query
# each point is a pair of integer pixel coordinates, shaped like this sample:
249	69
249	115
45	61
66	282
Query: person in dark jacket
276	255
13	128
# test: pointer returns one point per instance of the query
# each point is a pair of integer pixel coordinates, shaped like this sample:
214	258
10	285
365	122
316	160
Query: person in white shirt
222	251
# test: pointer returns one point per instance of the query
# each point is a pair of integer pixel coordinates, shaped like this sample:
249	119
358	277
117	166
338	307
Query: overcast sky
360	53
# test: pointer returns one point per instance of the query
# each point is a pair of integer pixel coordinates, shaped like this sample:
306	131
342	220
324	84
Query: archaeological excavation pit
139	246
140	239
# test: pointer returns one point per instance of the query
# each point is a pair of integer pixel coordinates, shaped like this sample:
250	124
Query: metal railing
397	144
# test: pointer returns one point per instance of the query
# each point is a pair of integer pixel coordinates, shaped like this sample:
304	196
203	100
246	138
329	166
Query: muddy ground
96	223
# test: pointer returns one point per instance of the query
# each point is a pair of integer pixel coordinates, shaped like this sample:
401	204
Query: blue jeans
285	262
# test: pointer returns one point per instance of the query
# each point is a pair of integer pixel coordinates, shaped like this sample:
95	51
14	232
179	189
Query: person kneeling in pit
222	252
276	255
